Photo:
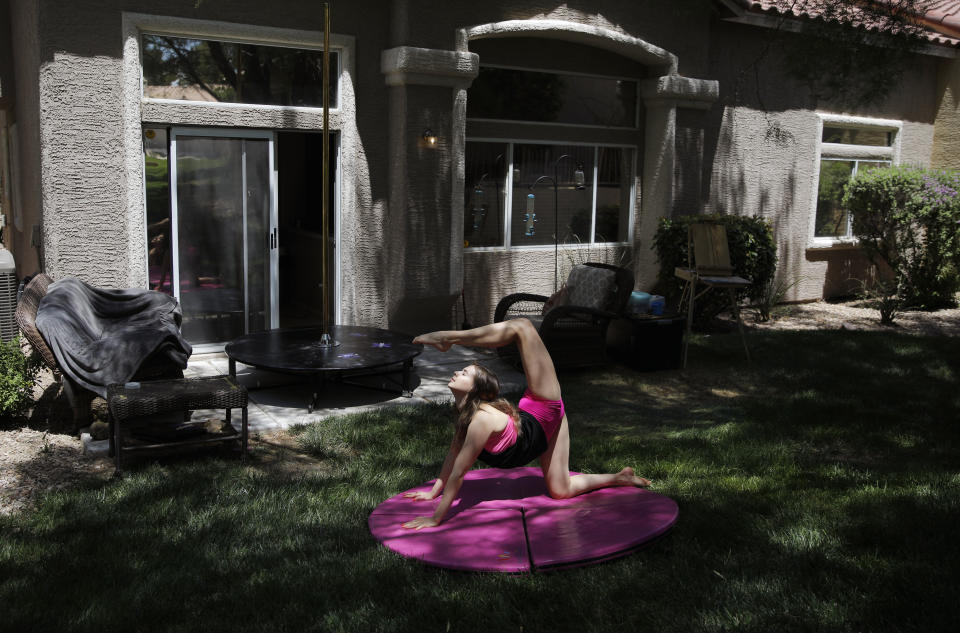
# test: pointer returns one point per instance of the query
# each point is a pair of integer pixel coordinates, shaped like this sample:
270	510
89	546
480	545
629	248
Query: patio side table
127	403
647	342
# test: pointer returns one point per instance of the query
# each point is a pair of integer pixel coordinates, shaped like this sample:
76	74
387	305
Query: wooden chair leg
736	313
692	289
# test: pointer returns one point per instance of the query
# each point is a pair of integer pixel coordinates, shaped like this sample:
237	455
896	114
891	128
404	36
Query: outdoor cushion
103	337
591	287
559	298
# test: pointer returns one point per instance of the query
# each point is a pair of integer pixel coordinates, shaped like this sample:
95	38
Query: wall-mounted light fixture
429	137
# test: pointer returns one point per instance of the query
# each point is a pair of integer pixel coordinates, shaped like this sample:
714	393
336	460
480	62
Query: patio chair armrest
505	305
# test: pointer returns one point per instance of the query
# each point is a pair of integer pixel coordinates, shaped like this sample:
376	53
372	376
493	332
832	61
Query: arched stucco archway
418	77
663	92
628	46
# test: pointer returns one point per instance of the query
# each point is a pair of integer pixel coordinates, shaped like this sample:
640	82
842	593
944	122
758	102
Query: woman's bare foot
626	478
434	339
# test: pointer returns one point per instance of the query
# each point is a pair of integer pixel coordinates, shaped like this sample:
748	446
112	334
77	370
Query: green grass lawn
819	490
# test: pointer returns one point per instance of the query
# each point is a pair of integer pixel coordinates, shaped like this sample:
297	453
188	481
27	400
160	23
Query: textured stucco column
662	97
425	219
946	134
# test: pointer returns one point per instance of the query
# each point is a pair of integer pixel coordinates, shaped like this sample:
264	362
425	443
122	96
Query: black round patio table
358	351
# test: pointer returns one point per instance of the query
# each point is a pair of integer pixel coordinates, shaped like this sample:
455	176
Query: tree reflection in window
230	72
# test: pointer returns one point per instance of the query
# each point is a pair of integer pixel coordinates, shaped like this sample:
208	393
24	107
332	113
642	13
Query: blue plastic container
639	303
657	305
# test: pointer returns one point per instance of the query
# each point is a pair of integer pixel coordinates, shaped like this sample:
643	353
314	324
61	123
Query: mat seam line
526	538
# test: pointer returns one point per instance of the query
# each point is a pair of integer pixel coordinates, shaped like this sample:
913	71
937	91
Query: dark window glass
522	95
210	70
613	195
157	171
832	219
484	193
540	211
857	136
539	208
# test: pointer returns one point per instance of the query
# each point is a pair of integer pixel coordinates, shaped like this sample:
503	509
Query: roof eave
744	13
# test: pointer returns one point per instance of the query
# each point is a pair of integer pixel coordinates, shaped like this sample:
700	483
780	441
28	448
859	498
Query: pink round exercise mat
504	520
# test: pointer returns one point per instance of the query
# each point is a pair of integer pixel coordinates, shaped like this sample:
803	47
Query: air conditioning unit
8	296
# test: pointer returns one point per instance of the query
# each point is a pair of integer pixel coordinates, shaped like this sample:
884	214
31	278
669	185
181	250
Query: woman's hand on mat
420	496
421	522
434	339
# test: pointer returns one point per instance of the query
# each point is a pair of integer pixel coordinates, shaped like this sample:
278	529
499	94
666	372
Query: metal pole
556	223
532	187
326	340
556	231
326	159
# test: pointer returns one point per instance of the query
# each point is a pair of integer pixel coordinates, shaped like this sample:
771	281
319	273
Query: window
525	194
571	186
832	219
847	148
523	95
233	72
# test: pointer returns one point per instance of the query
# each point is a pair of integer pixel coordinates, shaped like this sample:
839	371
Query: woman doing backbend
491	429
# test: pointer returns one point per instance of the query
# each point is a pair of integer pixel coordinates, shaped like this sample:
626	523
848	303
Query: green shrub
907	218
753	255
17	376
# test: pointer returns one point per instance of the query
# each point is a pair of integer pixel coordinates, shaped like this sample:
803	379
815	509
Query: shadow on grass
817	490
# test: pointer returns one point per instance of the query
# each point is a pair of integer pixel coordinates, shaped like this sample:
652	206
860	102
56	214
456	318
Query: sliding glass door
224	226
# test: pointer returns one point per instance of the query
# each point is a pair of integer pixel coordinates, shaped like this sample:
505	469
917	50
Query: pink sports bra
498	442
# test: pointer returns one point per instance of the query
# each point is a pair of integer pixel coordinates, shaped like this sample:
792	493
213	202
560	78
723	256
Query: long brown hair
486	390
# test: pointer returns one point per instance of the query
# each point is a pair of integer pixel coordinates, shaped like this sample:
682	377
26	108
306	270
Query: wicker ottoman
128	403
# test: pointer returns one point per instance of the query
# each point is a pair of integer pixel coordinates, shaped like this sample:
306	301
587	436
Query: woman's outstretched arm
477	434
441	480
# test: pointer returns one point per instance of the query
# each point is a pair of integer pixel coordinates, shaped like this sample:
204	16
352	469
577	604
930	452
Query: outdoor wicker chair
26	315
573	323
79	397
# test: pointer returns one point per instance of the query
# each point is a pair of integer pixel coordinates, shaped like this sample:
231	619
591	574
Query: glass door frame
239	134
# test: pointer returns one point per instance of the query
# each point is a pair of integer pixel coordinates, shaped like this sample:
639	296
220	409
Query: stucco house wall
708	140
764	150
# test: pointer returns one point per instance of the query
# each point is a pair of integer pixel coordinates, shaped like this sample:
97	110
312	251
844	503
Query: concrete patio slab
278	401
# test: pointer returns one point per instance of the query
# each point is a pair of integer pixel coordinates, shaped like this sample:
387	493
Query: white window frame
507	193
848	152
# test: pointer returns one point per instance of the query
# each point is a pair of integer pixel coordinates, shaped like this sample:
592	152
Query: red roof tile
940	17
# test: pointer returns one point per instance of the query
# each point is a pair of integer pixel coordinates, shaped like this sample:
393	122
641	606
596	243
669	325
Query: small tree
907	218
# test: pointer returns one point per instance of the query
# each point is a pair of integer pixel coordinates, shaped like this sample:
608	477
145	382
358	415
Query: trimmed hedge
753	255
907	218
